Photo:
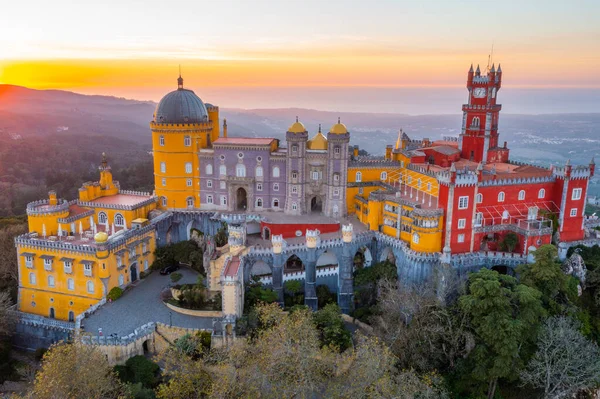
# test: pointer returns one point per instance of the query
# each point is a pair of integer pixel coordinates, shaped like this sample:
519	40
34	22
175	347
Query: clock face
479	92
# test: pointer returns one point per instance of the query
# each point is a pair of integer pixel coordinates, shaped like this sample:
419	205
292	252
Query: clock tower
479	135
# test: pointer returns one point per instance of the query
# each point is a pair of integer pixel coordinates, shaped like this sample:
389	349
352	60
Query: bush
115	293
175	277
325	296
195	345
193	297
331	327
138	369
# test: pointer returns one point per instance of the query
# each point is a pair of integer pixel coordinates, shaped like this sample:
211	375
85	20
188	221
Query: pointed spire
319	128
339	120
493	70
499	69
296	118
592	162
568	162
478	71
471	69
399	140
179	80
453	168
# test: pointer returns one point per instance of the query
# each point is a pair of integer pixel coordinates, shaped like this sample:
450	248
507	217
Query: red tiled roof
75	210
233	267
244	140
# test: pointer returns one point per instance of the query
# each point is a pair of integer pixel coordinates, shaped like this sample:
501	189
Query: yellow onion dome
297	127
339	128
318	142
101	237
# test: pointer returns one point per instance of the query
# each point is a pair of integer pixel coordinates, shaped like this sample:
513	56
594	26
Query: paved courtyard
141	305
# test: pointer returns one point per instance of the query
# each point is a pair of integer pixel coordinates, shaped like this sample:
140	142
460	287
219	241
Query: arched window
521	195
259	202
187	141
51	314
494	92
276	171
119	220
275	203
478	219
71	316
358	177
190	202
222	170
71	284
209	169
505	215
475	122
294	206
209	183
542	193
32	278
188	182
102	218
415	238
240	170
50	281
479	198
161	141
90	286
259	171
188	167
121	279
501	196
164	201
163	167
383	176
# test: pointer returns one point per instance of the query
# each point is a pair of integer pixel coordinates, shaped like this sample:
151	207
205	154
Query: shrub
142	371
175	277
324	295
115	293
193	298
331	328
194	345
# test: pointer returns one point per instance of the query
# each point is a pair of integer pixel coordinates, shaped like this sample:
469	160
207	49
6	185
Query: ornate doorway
316	205
133	270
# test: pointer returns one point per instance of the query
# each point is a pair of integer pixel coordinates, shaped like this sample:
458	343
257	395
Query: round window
51	299
298	233
33	304
259	159
70	303
222	157
240	155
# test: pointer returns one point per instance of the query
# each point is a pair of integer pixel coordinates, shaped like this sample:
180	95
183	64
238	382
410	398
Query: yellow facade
105	241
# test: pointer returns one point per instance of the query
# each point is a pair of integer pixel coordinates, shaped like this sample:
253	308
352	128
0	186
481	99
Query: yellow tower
181	127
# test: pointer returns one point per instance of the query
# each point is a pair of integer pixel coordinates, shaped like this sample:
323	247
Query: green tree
509	242
504	316
332	331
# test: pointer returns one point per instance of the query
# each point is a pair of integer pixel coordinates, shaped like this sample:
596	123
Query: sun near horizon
133	50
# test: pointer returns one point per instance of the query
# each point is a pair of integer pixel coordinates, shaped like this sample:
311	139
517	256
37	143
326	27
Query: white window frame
163	167
542	193
259	187
259	202
315	175
501	196
276	171
189	202
274	201
415	238
164	182
119	220
102	218
121	280
188	167
275	186
161	141
259	171
576	193
294	189
209	199
294	206
429	186
47	264
188	182
462	223
573	212
336	150
29	261
294	175
68	266
209	169
90	286
164	201
87	269
240	170
463	202
383	176
460	238
209	183
70	284
521	195
223	170
51	281
32	279
479	198
187	141
358	177
294	149
224	200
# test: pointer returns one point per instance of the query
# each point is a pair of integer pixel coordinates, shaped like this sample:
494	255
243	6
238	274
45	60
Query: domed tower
338	140
181	126
296	137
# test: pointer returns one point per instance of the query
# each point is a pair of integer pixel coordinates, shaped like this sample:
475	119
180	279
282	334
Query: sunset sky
132	48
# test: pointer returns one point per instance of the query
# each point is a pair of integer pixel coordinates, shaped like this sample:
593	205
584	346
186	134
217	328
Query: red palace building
482	193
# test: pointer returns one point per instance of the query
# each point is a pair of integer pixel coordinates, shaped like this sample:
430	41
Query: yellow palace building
77	251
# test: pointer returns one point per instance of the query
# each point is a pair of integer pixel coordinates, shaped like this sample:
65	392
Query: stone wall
32	337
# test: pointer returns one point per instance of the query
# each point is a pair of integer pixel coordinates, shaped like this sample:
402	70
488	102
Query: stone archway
241	199
362	258
316	205
503	269
387	254
327	258
133	270
293	264
266	233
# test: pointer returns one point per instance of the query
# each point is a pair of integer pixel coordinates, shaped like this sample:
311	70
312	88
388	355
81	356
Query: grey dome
180	106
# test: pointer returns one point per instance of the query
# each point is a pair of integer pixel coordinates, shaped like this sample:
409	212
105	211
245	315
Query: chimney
225	128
